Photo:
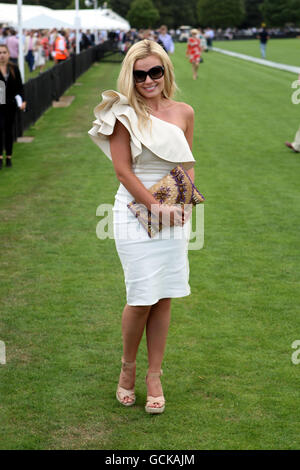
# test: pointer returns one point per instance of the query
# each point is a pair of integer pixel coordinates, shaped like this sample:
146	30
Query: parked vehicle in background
184	33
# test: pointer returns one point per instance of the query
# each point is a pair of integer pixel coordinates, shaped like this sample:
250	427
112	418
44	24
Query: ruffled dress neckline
167	122
165	139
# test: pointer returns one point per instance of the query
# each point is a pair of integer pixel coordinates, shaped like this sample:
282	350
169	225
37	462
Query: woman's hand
23	106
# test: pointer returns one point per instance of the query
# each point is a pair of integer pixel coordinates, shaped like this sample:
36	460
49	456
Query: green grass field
229	381
284	51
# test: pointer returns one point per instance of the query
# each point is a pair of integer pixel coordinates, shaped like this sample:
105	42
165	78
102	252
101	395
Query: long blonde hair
126	85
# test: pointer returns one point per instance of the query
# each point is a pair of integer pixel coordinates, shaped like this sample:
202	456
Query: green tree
280	12
166	12
221	13
120	6
143	14
253	15
185	12
177	13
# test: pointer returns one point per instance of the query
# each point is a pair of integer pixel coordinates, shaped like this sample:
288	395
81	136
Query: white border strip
268	63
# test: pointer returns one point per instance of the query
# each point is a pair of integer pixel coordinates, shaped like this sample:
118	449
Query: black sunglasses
154	73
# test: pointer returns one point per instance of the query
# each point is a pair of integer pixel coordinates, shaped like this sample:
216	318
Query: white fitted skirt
154	268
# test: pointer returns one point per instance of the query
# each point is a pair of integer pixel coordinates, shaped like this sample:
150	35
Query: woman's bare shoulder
184	108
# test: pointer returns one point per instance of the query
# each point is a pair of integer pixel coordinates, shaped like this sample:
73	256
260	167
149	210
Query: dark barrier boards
51	85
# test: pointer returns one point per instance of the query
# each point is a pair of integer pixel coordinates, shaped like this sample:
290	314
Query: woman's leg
195	70
134	319
31	61
9	130
157	328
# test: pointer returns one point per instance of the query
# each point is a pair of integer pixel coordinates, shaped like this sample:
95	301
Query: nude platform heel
155	400
122	392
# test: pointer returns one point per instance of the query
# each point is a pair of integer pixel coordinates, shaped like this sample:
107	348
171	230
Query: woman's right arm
121	157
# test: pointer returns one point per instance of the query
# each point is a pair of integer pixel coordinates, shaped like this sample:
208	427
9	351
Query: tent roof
45	22
9	12
92	19
32	16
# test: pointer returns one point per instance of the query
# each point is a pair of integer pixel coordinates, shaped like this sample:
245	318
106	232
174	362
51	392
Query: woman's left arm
19	87
189	133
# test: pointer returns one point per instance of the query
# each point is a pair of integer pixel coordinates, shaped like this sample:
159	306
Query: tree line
214	13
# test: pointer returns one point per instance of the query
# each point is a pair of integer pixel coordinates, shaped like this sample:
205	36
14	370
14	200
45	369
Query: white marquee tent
37	17
93	19
9	13
45	22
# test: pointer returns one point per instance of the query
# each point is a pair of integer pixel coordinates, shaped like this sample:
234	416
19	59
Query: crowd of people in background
162	36
39	46
198	40
251	33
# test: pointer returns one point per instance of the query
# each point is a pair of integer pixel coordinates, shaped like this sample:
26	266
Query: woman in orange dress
194	51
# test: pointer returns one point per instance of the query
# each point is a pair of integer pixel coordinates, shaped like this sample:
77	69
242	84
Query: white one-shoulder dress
158	267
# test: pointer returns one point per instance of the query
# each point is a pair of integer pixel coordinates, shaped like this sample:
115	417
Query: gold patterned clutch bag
174	188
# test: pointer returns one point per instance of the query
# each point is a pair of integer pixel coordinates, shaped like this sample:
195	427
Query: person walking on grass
193	51
146	134
209	35
29	49
12	96
263	37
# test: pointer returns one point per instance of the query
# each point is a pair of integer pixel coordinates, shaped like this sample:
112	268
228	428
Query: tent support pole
77	25
20	33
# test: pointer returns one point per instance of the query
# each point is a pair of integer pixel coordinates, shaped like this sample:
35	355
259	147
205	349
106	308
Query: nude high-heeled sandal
155	400
122	392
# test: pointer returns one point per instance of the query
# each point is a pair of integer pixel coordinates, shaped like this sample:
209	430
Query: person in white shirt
166	39
209	35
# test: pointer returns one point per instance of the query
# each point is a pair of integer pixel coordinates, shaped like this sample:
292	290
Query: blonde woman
193	51
146	134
